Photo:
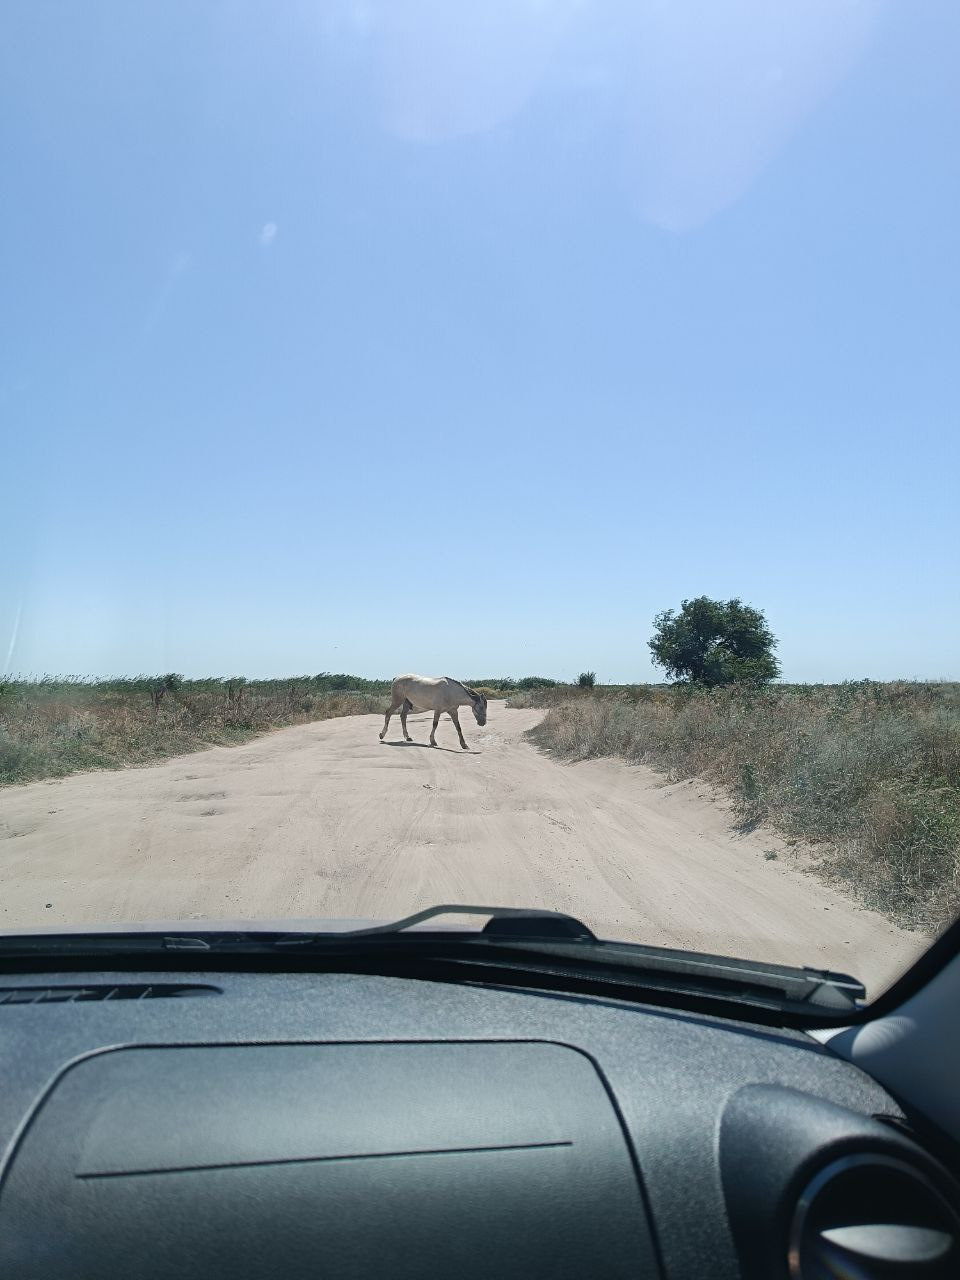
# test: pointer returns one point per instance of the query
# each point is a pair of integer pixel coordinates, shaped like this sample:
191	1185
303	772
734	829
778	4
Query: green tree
713	642
587	679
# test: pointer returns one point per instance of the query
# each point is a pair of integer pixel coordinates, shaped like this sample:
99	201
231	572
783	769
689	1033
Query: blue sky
387	336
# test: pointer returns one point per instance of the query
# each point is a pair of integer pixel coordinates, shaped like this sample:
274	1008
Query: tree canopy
715	642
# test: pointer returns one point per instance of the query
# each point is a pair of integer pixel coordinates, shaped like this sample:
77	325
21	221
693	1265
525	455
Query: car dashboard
353	1124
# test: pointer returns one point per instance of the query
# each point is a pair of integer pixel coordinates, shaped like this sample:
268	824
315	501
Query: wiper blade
517	923
520	923
543	939
651	969
518	942
504	922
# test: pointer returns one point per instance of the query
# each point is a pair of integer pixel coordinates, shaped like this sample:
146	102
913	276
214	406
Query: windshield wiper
504	922
553	936
527	923
517	946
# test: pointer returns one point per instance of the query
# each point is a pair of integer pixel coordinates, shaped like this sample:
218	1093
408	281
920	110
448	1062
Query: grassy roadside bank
867	772
53	727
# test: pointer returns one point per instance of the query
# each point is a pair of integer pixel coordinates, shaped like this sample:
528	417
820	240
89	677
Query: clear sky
377	336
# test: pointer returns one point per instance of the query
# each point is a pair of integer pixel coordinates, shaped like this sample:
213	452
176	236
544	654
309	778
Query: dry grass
52	727
870	772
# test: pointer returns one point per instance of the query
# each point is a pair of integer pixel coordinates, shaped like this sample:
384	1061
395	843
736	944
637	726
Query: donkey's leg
407	706
386	724
433	731
456	720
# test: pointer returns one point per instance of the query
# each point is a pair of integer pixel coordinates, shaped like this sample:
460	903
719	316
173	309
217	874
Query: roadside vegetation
867	772
55	726
58	725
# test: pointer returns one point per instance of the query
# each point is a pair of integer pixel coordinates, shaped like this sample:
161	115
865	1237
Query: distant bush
537	682
160	685
869	771
341	683
587	679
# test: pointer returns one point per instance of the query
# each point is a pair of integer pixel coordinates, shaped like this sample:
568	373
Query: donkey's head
479	706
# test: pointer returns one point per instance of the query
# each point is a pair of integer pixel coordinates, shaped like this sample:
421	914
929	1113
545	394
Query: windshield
492	453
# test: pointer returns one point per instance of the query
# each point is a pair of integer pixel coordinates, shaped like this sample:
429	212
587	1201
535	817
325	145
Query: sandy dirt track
323	820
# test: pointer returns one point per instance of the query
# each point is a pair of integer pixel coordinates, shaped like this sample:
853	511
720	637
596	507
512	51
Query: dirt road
323	820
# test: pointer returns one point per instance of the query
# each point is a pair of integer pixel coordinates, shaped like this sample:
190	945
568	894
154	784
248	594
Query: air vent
105	991
873	1216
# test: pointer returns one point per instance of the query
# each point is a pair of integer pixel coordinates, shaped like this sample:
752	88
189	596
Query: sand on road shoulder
324	820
